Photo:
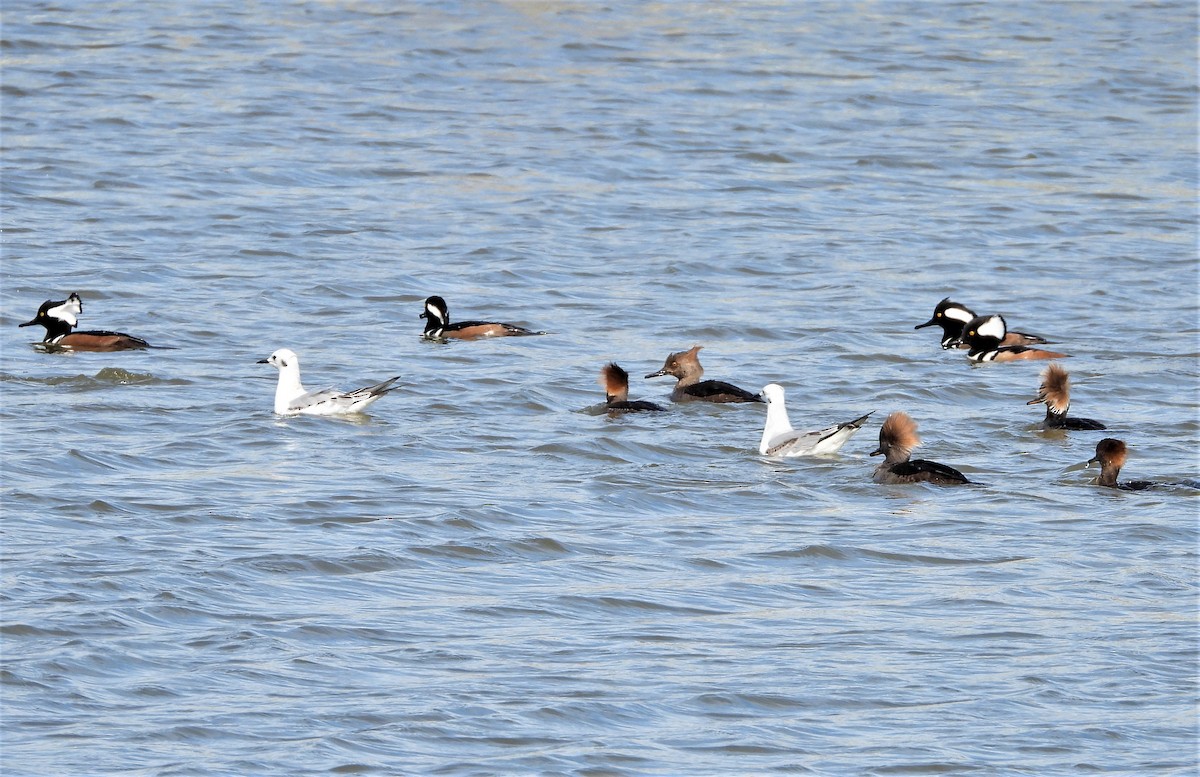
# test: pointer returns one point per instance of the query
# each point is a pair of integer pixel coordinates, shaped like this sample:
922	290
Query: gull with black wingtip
780	439
292	399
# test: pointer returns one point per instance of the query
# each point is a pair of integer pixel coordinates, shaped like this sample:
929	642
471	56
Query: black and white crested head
957	312
58	312
436	315
950	316
436	309
984	332
59	317
992	326
68	310
948	311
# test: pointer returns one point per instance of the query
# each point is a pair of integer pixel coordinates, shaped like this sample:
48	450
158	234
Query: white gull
780	439
292	399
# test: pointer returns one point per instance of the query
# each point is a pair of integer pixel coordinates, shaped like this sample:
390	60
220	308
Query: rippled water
486	575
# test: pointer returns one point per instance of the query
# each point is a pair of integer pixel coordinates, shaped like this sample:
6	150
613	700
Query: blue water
488	575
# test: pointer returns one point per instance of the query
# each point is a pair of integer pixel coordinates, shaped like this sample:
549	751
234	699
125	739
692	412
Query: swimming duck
897	438
983	335
780	439
685	366
952	316
62	316
292	399
438	326
616	390
1055	391
1110	455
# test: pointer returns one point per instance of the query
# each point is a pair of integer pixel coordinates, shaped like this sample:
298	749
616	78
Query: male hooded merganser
780	439
984	335
1110	455
685	366
897	438
1055	391
952	316
438	326
292	399
616	390
62	316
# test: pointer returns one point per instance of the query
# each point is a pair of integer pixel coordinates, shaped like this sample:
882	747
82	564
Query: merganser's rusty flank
438	326
984	336
60	317
952	316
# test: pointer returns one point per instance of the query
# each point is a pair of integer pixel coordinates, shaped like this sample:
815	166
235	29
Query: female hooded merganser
897	438
780	439
685	366
292	399
1056	393
438	326
984	335
952	316
62	316
1110	455
616	390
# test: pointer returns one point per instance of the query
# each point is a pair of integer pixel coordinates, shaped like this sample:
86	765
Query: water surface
487	576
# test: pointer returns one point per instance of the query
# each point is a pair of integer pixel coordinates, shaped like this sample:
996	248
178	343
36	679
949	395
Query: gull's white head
283	359
772	392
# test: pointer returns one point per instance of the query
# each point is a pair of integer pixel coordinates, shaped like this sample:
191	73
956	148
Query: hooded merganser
616	390
984	335
62	316
1055	391
438	326
780	439
897	438
1110	455
952	316
292	399
685	366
